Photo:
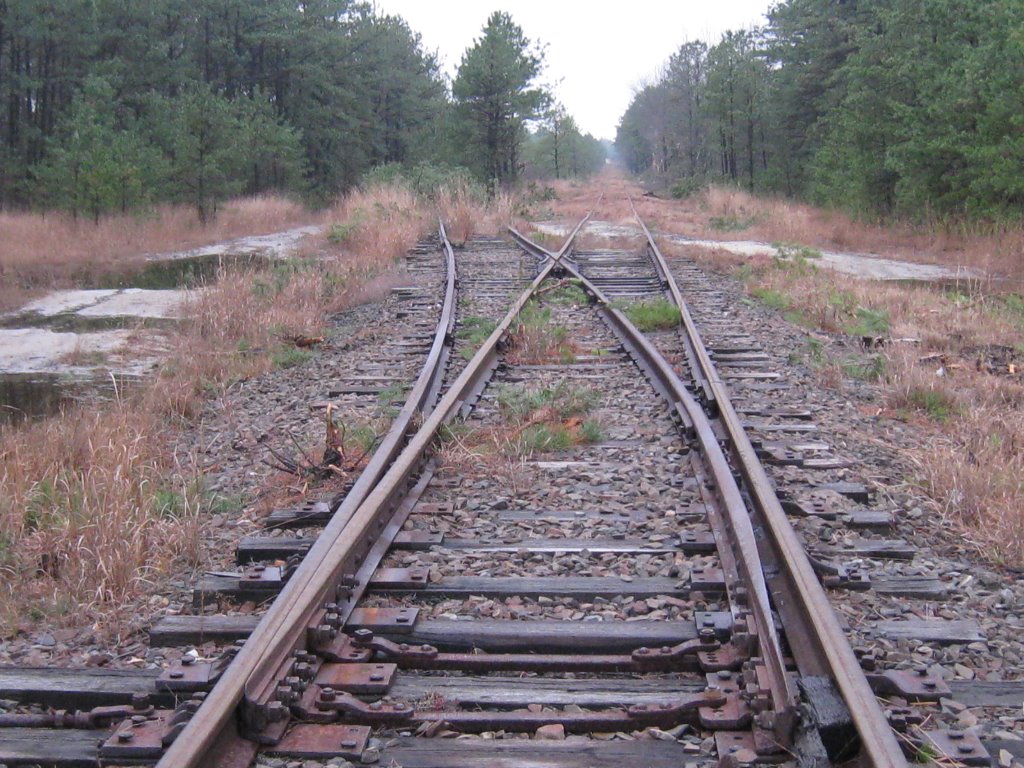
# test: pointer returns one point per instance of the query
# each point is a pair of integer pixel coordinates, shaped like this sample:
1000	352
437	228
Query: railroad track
628	587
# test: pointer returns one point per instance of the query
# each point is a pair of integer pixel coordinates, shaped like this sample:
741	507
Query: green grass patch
392	395
536	338
870	322
1013	306
289	356
656	315
569	293
542	438
732	223
816	351
936	404
590	432
771	298
226	504
564	400
872	369
743	272
687	187
474	330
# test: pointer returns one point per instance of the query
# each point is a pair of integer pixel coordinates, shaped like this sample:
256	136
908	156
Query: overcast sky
597	53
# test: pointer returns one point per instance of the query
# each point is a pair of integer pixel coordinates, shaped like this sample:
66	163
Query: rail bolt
349	744
362	635
285	695
327	694
706	634
125	736
955	735
642	651
964	749
140	700
276	712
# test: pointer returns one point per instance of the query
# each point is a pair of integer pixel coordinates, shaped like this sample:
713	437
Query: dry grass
54	250
960	379
730	214
92	512
466	213
721	213
957	374
93	505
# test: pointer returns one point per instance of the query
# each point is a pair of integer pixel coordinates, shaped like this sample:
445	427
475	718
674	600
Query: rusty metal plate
707	580
735	747
138	738
417	541
341	649
731	716
697	542
726	657
187	677
815	507
781	457
719	621
400	578
726	681
959	746
357	678
261	577
322	741
919	685
392	621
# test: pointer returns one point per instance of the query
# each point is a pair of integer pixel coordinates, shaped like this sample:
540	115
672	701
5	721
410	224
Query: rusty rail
244	698
742	539
818	643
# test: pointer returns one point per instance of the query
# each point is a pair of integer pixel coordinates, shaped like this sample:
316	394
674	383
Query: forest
909	109
114	105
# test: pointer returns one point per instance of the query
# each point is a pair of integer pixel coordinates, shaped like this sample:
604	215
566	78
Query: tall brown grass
992	248
94	504
948	376
54	250
725	213
970	462
466	212
92	511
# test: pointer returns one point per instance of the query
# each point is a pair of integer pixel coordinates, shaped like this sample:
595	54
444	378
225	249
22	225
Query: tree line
909	108
112	105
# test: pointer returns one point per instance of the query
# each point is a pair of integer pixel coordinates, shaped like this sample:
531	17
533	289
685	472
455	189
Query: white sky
597	52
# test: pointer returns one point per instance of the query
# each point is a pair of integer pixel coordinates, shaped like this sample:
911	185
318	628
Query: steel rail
203	731
783	693
823	649
252	676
